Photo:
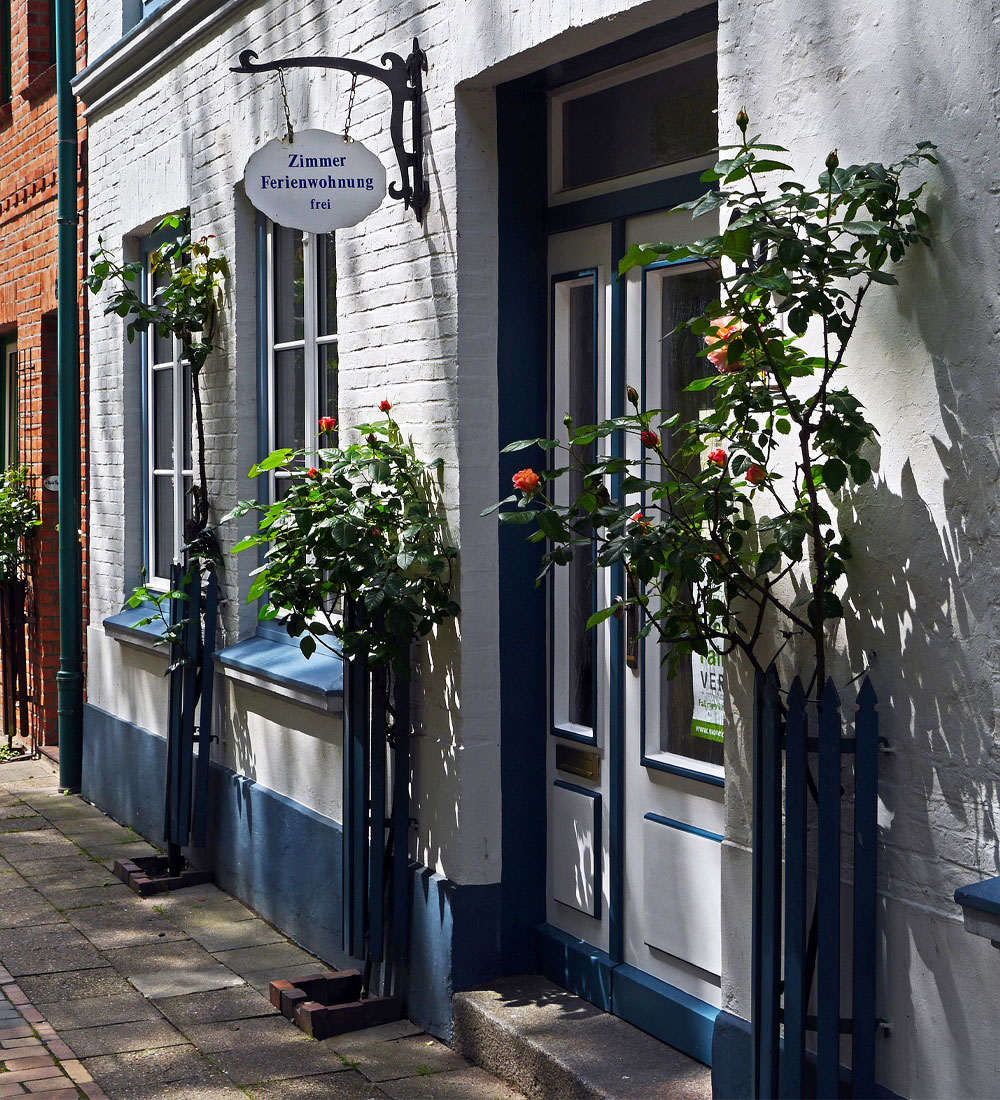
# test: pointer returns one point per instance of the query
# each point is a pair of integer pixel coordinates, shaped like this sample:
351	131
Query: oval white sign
317	182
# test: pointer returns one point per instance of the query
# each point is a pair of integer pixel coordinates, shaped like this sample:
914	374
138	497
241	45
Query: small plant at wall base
361	530
709	515
18	519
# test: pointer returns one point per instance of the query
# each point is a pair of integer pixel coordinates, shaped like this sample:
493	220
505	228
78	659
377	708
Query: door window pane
327	289
163	524
690	711
289	398
328	370
163	419
582	407
648	122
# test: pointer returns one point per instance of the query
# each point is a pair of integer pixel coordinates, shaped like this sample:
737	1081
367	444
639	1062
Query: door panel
577	896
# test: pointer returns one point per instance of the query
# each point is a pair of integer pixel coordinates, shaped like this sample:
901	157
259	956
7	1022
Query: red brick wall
28	261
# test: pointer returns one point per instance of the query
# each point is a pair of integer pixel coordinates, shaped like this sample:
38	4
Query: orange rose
526	480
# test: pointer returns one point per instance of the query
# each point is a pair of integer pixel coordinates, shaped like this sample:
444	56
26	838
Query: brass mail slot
578	762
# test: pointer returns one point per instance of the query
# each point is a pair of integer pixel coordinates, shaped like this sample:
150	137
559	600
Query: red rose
717	457
755	474
384	405
327	423
650	438
313	472
526	480
637	519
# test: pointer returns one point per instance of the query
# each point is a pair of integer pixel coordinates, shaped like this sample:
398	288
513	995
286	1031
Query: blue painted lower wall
285	861
731	1068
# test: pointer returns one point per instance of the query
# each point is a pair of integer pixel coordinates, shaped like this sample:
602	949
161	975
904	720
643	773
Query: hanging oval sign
317	182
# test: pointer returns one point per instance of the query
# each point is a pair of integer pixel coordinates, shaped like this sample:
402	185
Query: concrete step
552	1045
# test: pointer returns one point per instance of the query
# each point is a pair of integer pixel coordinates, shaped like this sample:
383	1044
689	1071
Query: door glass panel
582	407
691	704
654	120
163	524
163	419
289	285
289	399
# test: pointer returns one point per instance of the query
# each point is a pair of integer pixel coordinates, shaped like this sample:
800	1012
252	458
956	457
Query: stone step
552	1045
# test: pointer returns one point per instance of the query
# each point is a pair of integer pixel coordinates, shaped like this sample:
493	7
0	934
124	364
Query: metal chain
284	100
350	108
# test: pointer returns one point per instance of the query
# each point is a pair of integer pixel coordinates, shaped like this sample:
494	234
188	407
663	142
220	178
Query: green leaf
599	616
273	460
864	229
307	643
834	475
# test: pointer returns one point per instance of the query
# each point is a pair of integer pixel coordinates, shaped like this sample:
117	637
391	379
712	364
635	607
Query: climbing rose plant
356	555
18	520
740	498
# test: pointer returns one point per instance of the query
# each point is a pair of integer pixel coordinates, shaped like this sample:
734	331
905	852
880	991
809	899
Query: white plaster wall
871	80
418	316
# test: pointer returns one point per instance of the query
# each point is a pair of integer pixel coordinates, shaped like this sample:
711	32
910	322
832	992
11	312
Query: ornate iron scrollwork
404	79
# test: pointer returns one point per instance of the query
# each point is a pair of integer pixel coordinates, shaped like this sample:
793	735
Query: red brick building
28	292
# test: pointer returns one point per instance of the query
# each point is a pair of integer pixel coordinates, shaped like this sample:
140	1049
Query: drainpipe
69	678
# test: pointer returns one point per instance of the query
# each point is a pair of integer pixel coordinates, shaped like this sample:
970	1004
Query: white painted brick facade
418	317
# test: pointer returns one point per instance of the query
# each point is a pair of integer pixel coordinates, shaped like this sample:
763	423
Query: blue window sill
273	662
980	904
126	629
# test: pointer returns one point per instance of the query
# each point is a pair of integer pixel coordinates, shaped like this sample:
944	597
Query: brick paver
165	998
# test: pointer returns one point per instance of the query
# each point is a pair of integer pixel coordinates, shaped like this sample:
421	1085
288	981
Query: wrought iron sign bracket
404	79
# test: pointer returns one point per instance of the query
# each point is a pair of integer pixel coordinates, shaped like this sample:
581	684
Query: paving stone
241	1034
49	948
20	908
20	823
336	1086
224	934
168	1073
464	1084
274	1061
98	982
121	925
107	892
276	957
119	1038
362	1040
155	957
237	1003
181	980
125	1008
383	1060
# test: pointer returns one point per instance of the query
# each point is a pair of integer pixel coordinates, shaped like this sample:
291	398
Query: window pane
655	120
691	703
683	296
288	285
163	346
163	419
187	505
582	407
289	398
327	286
163	524
327	389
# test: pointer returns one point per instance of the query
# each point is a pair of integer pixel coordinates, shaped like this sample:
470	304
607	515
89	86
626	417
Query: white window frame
177	471
311	343
9	456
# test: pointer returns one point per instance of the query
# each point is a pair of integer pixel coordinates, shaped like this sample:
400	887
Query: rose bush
725	517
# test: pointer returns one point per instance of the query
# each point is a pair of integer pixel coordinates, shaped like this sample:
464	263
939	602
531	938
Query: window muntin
301	338
636	123
168	444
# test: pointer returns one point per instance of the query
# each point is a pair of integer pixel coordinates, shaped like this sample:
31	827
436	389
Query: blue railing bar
376	849
828	898
793	1057
865	886
199	816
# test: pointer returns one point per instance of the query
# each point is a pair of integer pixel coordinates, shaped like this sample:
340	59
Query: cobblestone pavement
114	997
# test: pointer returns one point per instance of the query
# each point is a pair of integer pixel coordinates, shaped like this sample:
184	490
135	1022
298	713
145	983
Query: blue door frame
525	223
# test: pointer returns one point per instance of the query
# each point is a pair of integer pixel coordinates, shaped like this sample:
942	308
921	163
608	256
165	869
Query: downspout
69	678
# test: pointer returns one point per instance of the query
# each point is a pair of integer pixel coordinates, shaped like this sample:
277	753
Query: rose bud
384	405
327	423
755	474
526	480
371	440
832	161
650	438
743	120
313	472
633	396
568	422
717	457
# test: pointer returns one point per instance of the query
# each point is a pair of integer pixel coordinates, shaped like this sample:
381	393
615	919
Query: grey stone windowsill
148	47
273	662
980	904
124	627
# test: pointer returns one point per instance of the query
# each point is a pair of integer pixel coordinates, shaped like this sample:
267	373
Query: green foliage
18	519
363	528
725	518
